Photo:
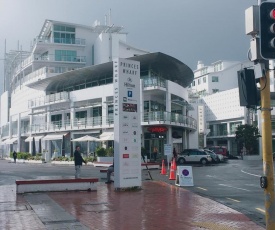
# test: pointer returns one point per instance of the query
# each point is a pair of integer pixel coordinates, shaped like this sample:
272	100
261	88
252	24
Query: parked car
194	155
220	157
214	156
219	150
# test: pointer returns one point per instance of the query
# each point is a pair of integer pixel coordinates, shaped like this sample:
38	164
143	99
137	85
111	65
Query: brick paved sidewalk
157	206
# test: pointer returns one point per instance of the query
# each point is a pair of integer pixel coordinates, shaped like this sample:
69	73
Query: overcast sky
189	30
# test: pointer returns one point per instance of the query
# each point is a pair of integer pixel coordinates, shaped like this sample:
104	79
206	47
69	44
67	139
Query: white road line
261	210
202	188
234	187
250	174
233	199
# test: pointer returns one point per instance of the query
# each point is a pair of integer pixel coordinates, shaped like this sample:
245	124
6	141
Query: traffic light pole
268	177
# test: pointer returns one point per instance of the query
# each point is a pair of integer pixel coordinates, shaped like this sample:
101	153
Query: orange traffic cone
172	174
163	169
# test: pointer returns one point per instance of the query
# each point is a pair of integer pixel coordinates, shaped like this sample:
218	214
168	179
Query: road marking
233	199
261	210
250	174
234	187
202	188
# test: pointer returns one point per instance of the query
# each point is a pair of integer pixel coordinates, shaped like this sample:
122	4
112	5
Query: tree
247	136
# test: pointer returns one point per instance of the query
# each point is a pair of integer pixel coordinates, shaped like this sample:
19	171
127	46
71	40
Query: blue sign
130	93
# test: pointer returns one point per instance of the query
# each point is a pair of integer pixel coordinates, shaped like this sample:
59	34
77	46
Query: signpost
127	129
184	176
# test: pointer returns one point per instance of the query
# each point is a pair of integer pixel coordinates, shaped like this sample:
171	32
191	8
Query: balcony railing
95	122
71	41
52	98
168	117
154	82
221	133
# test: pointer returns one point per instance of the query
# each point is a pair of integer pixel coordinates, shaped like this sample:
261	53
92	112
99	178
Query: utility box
252	20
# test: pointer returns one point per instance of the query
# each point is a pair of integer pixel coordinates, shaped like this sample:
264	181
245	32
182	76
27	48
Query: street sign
184	176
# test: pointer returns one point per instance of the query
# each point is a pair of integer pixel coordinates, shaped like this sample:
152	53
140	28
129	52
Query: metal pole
267	151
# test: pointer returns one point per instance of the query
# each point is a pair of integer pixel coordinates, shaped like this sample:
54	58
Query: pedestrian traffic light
267	30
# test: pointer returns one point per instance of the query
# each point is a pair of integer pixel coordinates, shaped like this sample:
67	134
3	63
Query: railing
52	98
71	41
95	122
154	82
168	117
64	58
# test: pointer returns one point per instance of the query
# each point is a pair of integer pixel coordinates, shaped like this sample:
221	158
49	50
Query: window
194	83
199	81
215	90
64	34
215	79
65	55
204	79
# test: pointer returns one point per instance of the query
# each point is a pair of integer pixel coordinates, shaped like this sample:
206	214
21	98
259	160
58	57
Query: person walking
155	153
78	160
14	156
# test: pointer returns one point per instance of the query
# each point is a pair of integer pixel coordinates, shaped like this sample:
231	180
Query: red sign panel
125	155
157	129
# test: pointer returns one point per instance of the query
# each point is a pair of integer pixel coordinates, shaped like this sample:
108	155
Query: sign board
127	128
167	149
184	176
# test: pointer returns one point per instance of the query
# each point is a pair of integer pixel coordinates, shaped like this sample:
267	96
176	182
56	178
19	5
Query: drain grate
97	207
212	226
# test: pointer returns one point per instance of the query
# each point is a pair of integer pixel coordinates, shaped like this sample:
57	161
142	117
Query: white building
63	89
216	88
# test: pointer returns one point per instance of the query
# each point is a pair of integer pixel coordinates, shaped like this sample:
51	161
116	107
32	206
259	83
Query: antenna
110	17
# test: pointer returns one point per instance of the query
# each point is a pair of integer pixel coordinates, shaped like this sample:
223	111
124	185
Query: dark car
194	155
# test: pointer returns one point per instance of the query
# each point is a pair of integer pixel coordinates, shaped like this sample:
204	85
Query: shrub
110	152
101	152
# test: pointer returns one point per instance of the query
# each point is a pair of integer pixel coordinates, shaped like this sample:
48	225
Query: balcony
67	41
154	82
49	99
163	117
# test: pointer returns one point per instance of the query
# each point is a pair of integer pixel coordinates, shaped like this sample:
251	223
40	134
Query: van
219	150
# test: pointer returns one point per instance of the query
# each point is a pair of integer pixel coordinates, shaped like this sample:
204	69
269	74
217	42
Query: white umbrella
86	138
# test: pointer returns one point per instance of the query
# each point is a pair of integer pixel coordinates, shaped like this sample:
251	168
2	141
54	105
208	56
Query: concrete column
48	120
104	106
72	114
168	98
19	133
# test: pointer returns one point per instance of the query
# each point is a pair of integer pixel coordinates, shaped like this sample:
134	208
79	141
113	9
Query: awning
36	138
52	137
10	141
107	136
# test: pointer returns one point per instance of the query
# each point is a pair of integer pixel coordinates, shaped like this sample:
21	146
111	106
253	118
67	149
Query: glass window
215	79
204	79
199	81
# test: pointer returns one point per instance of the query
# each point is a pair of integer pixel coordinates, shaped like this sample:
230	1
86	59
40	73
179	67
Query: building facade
63	89
216	88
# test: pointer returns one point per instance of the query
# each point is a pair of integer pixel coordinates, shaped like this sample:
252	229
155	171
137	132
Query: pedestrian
175	155
78	160
109	172
14	156
155	153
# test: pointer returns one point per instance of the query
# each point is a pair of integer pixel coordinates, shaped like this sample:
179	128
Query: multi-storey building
63	89
215	88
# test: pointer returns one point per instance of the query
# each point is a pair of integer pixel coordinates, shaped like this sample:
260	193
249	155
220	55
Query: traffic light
267	30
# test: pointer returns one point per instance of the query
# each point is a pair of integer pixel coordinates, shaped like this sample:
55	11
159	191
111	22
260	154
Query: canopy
10	141
86	138
52	137
107	136
36	138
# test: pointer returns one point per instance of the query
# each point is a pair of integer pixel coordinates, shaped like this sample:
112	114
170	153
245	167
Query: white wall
223	105
4	108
